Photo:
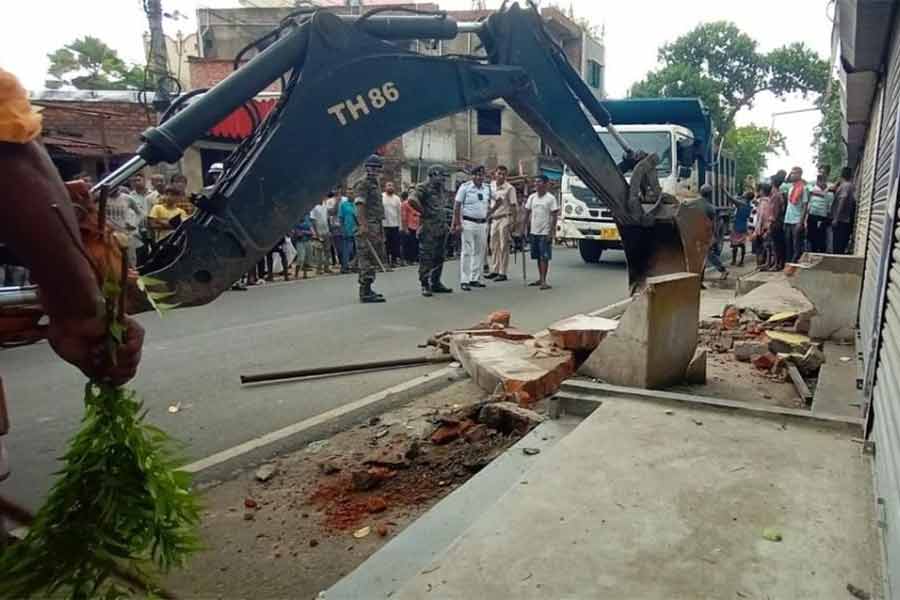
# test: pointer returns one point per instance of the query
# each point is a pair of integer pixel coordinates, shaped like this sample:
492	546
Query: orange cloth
19	123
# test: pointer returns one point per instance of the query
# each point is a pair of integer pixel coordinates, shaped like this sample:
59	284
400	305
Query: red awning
237	125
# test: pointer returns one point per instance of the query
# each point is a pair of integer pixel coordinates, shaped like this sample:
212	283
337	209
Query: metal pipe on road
377	365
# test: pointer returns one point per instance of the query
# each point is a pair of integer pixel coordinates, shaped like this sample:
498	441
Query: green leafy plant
120	501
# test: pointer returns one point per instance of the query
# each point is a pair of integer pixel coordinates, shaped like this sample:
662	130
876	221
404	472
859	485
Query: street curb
222	465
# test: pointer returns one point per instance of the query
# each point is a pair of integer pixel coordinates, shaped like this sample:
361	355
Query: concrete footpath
645	501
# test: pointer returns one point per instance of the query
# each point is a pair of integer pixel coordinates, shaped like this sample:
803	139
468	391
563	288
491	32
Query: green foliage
750	144
828	141
724	67
89	64
119	499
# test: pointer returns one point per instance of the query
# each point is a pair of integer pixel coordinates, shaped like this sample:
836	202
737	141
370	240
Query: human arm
513	207
456	225
39	225
554	216
361	221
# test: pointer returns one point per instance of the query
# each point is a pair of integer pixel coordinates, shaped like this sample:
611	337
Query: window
649	142
595	74
490	121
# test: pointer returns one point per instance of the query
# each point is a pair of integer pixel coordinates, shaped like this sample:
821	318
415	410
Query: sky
631	39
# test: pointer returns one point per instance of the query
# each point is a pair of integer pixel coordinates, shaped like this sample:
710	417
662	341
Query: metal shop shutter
879	242
866	176
886	428
880	322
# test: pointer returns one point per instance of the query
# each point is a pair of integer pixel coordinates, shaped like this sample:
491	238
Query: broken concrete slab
696	371
581	332
751	281
832	283
506	417
775	297
785	342
656	337
525	368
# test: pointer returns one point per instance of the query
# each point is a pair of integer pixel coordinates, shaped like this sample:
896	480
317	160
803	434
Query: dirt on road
326	508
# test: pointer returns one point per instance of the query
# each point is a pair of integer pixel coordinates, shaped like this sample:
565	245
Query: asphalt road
194	356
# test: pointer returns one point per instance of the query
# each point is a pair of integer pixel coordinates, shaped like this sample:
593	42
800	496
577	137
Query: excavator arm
349	88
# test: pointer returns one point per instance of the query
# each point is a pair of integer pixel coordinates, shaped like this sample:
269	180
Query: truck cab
585	219
679	132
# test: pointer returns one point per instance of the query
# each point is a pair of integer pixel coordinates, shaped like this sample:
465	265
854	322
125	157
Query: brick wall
123	122
206	72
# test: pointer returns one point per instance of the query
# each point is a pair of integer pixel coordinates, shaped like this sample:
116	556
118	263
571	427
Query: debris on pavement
266	472
769	343
361	533
314	447
771	534
531	451
858	593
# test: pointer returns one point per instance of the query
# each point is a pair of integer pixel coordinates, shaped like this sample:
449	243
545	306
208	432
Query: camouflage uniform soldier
430	201
370	235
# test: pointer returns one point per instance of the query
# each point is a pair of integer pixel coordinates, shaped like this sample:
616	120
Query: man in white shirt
543	209
502	216
470	213
392	240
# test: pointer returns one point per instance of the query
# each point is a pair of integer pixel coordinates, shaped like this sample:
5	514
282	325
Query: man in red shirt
409	229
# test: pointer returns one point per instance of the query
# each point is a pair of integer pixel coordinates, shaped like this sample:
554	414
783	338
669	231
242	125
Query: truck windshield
648	141
659	142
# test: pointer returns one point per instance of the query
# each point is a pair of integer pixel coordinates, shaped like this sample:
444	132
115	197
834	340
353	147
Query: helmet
216	168
706	190
437	171
374	163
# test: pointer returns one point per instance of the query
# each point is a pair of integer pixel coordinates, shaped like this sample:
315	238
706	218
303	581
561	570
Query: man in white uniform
470	213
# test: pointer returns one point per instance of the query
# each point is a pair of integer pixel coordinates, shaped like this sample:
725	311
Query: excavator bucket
674	243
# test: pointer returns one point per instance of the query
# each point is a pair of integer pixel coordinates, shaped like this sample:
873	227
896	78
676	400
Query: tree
750	144
724	67
828	141
89	64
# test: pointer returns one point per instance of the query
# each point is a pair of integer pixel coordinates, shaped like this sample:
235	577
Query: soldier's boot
436	286
368	296
426	288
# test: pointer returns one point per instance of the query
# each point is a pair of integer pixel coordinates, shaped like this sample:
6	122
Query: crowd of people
371	223
784	217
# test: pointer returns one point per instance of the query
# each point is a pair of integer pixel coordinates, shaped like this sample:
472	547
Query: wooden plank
799	383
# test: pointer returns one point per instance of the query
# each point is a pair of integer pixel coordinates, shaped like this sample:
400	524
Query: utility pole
158	59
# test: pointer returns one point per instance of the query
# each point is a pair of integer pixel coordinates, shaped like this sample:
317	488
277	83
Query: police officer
370	234
430	201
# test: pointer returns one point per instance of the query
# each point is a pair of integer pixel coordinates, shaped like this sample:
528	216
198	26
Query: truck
679	131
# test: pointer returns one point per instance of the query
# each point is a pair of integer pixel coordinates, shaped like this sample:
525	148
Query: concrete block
775	297
656	337
581	332
832	283
751	281
515	368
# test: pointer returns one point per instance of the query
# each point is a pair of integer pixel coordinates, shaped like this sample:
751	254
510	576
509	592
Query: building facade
869	32
488	135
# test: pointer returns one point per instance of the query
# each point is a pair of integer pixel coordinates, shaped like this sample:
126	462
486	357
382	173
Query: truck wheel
590	250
